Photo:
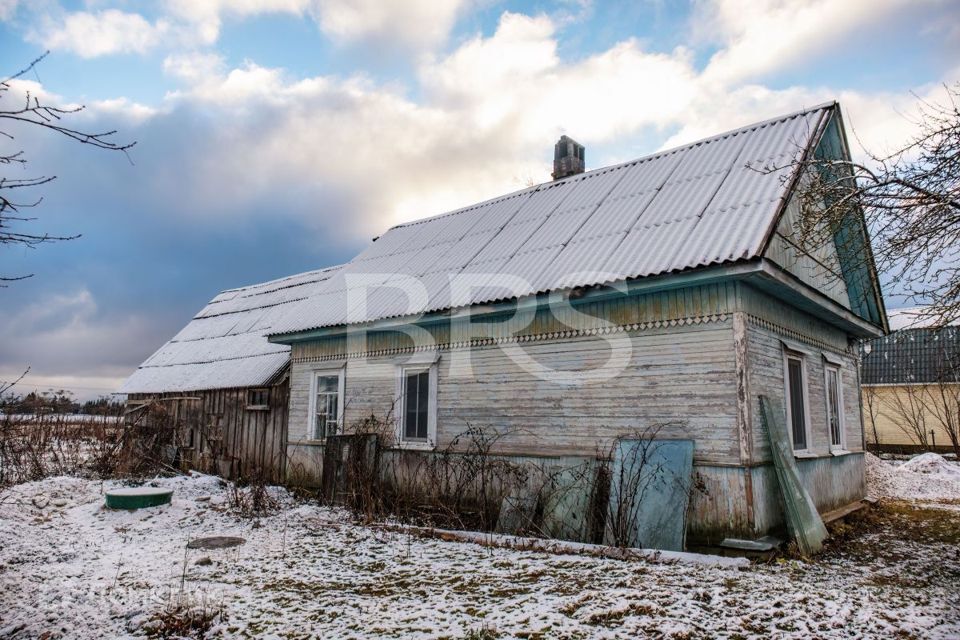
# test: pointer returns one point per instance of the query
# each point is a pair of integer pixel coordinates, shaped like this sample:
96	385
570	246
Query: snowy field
70	568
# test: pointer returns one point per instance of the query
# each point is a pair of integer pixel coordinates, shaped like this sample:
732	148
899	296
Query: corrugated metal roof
913	356
225	345
705	203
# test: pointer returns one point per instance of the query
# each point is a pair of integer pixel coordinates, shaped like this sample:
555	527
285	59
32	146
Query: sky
280	136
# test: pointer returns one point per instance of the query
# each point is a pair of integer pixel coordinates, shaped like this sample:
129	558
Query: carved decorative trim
539	337
795	335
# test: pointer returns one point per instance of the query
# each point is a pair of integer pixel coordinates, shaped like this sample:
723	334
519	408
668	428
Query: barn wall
228	439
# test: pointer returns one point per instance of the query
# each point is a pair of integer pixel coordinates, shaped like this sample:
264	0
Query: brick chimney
568	158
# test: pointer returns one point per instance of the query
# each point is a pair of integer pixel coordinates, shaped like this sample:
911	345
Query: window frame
403	370
252	406
315	375
788	355
828	367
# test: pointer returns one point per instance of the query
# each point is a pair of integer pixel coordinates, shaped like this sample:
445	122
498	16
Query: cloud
67	340
8	8
358	157
414	25
194	68
489	109
201	21
105	32
410	24
760	36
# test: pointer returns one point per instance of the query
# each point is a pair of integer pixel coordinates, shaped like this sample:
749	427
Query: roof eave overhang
780	283
758	272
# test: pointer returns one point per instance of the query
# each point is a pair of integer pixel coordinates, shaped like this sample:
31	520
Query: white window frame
790	354
403	370
829	366
315	374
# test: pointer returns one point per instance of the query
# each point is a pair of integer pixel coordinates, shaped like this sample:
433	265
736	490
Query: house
223	384
911	387
666	293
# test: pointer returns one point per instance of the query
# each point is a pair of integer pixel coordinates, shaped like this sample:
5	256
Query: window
326	408
416	410
258	399
416	400
796	401
834	406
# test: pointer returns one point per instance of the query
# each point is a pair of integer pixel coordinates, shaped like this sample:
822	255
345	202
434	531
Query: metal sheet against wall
832	482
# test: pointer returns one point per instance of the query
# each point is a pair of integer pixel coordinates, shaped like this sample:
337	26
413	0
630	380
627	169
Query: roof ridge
282	279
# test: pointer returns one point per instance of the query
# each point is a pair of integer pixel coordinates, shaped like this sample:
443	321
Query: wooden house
223	386
668	292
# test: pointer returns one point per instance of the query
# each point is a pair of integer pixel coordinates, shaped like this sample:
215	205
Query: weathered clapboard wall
217	432
671	351
817	266
682	375
692	359
772	325
833	478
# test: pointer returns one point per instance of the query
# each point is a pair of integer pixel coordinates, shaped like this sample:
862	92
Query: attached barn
223	385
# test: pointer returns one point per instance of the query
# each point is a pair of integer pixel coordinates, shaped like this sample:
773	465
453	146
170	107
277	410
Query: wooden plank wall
770	324
833	482
820	268
229	439
680	368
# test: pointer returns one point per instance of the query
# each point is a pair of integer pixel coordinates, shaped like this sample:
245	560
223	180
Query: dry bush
34	447
185	617
460	486
252	499
140	444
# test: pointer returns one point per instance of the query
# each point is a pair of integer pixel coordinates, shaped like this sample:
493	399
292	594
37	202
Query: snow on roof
225	345
705	203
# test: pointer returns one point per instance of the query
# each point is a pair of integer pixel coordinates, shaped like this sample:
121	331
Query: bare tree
32	112
871	406
944	394
910	202
908	410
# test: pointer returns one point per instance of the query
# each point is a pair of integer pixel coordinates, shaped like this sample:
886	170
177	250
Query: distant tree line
58	401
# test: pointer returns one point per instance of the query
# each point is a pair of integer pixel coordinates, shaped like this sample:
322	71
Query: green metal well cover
138	497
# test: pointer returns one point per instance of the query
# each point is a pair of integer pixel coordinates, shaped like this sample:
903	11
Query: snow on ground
924	478
71	568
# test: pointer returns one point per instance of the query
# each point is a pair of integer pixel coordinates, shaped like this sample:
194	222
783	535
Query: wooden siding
765	366
833	482
634	312
681	374
229	440
819	268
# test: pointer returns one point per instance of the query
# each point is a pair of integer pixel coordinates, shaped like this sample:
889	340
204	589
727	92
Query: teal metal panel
649	492
849	236
567	501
